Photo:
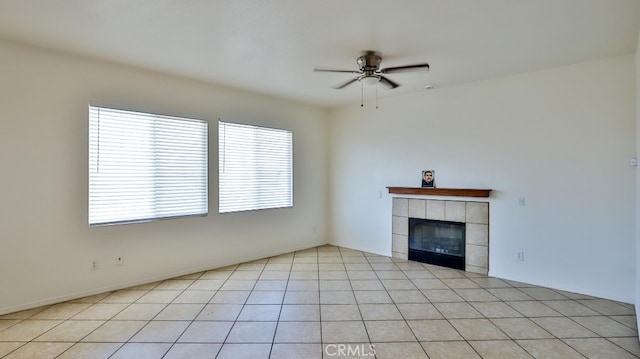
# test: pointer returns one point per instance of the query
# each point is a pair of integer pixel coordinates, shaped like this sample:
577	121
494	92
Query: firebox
437	242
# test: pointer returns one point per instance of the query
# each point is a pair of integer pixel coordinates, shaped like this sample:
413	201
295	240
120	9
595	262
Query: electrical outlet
94	264
520	256
522	201
119	261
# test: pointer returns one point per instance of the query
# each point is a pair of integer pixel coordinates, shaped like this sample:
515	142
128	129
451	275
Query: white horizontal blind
255	167
145	166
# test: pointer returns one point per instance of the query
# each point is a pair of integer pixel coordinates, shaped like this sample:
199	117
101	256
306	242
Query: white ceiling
272	46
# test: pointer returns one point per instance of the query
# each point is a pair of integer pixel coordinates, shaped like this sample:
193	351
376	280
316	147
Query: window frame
258	196
174	160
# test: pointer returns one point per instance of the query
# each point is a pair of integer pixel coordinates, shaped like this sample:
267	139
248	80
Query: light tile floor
326	302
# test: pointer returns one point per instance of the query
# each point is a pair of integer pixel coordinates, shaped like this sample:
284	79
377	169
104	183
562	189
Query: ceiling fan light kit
370	80
370	73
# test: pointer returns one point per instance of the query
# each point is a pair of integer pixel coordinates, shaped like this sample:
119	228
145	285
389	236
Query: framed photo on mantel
429	178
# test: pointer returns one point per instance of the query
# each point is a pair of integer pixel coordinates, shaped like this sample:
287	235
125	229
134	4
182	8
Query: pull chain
362	95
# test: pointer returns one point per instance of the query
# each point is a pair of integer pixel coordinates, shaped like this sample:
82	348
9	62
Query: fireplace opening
437	242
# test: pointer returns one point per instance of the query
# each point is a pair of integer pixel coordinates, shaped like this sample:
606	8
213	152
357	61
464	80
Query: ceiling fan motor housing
369	62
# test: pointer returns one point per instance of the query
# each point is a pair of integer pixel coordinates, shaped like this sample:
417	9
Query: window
144	167
255	167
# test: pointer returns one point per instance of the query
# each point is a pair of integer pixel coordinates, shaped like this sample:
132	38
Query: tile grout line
398	309
366	330
186	328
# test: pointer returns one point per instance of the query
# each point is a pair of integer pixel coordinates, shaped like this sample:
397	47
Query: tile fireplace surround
475	216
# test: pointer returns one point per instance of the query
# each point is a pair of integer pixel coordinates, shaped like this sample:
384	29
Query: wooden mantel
427	191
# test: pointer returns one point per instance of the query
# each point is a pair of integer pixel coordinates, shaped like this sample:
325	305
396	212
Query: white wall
561	138
45	244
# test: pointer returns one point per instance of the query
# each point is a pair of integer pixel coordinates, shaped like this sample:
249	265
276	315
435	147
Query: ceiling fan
370	72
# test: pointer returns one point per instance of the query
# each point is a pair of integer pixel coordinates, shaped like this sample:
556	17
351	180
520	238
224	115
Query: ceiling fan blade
406	68
388	83
327	69
345	84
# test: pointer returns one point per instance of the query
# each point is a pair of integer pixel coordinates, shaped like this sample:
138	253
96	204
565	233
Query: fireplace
473	214
437	242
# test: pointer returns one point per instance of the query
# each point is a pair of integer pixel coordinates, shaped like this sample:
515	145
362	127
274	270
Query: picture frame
428	179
